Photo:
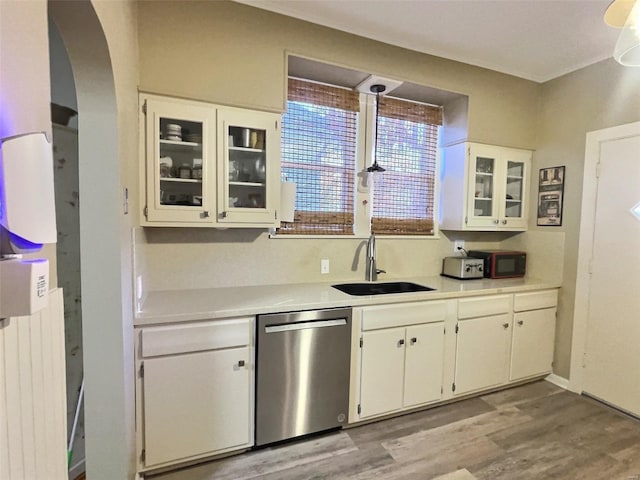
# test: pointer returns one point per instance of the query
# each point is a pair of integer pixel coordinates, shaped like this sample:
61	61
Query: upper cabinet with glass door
248	167
484	187
179	139
206	165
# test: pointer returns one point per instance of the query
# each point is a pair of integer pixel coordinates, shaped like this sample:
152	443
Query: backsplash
188	258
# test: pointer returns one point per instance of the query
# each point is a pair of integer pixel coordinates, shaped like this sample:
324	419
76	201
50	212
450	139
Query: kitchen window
323	136
319	142
407	143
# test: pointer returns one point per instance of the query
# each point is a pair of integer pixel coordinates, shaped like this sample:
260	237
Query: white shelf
245	149
247	184
180	180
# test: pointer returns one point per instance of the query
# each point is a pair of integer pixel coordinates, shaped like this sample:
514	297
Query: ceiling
533	39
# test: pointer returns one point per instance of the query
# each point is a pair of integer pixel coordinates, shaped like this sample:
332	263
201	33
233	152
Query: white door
382	375
532	346
195	403
612	366
423	364
482	352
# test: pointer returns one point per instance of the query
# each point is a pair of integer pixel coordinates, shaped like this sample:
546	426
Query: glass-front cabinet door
180	139
248	173
515	188
484	168
498	183
514	208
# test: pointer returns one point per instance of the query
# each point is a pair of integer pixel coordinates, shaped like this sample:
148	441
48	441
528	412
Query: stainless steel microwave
502	263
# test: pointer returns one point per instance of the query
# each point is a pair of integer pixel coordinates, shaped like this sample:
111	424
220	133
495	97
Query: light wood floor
536	431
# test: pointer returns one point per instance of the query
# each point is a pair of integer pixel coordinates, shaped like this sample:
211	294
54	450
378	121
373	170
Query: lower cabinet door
382	371
482	347
533	338
195	404
423	364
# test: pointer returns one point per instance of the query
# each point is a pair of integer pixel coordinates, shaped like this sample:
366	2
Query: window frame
363	196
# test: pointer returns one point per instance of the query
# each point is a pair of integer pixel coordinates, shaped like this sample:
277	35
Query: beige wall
229	53
234	54
24	68
600	96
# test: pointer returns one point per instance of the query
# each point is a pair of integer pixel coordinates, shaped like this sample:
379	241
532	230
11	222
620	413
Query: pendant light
378	88
625	14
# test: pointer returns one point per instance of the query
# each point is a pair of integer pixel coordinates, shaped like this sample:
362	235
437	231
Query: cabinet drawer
535	300
196	337
484	306
385	316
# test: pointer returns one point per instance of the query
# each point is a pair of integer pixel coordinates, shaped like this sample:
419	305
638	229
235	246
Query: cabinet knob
413	340
496	221
241	363
400	342
224	214
504	222
505	325
206	214
520	322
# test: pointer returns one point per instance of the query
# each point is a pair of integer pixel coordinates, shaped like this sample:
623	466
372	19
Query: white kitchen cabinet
484	188
249	186
382	371
179	174
534	325
207	165
483	338
195	388
401	357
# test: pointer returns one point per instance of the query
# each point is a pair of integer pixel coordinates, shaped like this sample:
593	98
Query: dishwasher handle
287	327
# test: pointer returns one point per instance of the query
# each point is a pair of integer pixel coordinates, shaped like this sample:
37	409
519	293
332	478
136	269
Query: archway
104	250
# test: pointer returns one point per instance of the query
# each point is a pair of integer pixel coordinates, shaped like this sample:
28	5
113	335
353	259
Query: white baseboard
77	469
558	381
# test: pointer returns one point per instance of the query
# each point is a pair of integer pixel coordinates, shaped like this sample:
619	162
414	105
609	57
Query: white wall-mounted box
24	286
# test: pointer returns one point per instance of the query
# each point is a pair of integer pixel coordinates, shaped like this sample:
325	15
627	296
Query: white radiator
32	395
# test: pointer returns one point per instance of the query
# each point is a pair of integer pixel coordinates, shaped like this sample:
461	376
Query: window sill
352	237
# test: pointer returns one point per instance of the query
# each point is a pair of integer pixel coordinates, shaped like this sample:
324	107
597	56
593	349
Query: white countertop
170	306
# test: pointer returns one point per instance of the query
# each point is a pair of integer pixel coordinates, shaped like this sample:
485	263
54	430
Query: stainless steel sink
368	288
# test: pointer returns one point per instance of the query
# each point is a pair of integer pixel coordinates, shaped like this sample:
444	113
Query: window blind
319	138
407	141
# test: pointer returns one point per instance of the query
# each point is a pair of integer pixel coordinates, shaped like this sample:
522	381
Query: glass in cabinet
248	171
483	195
179	176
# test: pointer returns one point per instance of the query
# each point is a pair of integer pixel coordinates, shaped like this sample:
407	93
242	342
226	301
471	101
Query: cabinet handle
504	222
400	342
505	325
206	214
520	322
413	340
496	221
241	363
224	214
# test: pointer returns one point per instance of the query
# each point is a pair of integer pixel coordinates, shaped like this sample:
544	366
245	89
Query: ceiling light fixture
378	88
625	14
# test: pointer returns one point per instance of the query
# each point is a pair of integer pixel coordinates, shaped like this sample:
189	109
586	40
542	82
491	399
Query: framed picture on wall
550	196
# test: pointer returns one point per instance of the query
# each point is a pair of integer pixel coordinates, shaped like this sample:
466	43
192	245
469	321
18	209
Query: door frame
585	243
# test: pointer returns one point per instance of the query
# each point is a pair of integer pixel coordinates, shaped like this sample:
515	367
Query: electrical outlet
324	265
458	245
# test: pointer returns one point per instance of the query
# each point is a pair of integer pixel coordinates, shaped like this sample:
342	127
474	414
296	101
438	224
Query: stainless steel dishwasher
302	373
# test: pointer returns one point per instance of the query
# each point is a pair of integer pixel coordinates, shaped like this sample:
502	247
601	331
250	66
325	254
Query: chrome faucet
372	271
